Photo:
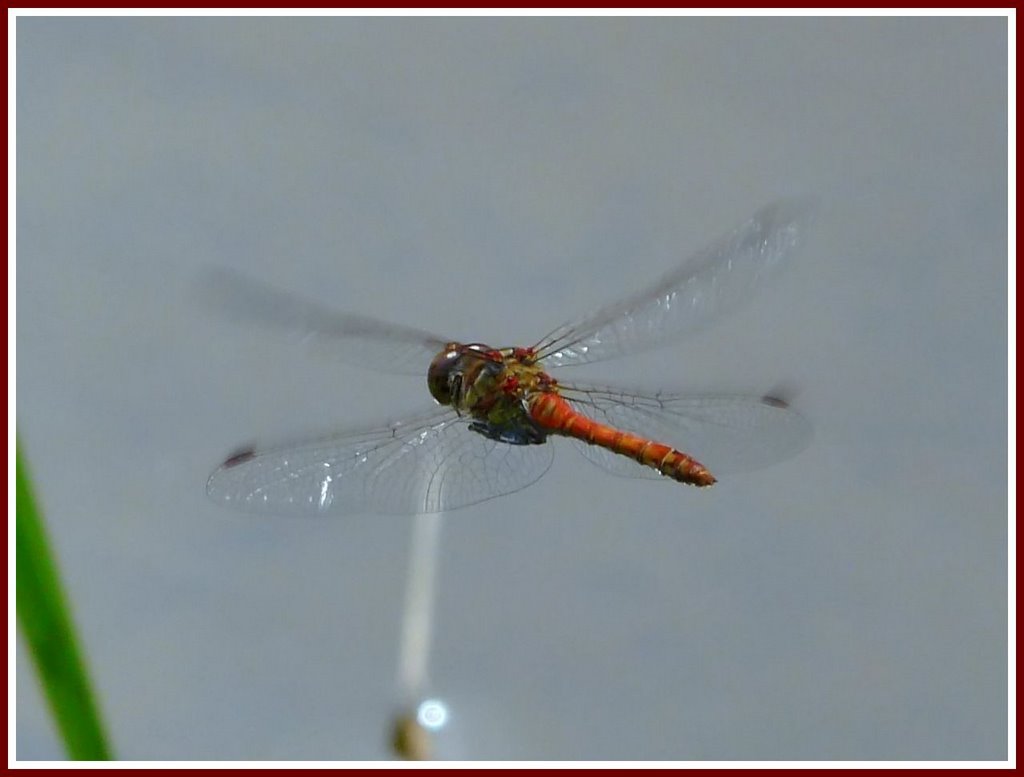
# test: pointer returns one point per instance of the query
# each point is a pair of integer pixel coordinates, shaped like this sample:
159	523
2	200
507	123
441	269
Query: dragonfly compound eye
440	374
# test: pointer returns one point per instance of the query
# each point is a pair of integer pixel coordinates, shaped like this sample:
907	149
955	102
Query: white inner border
1010	14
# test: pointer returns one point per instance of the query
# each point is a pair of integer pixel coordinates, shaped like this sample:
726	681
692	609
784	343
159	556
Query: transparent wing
709	283
358	340
429	464
727	433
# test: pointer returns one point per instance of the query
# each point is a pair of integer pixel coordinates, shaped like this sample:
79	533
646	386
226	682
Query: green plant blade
46	625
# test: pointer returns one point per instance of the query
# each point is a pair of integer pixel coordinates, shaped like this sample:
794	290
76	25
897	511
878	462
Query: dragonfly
498	411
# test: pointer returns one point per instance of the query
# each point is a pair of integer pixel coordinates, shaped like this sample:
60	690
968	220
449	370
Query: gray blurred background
485	179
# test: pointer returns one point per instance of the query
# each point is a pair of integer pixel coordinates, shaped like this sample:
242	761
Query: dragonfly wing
359	340
709	283
726	433
431	464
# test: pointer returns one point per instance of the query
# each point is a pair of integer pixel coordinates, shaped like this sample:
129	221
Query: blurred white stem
419	606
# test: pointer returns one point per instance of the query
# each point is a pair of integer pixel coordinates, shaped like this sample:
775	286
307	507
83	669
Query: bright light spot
432	714
326	497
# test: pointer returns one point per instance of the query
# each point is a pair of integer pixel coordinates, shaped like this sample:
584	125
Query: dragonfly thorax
489	384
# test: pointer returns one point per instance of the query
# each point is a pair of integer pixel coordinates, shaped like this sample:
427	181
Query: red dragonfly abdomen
554	415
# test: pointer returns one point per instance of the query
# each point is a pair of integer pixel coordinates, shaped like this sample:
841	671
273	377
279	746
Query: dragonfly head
443	369
456	369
